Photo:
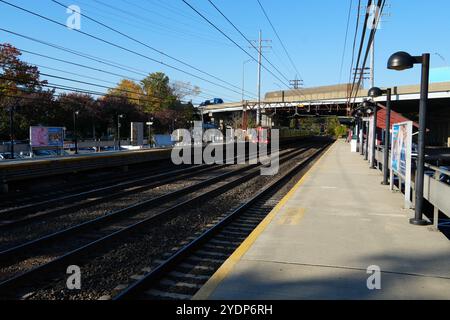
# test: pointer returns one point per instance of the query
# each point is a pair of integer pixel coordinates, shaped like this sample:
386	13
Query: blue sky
312	31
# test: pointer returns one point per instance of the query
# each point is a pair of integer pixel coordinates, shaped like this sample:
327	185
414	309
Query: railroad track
96	234
25	214
14	199
185	270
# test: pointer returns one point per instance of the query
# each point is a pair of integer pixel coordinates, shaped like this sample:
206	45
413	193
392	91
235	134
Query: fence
436	190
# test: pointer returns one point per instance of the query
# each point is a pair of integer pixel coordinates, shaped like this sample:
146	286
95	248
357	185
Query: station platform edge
312	247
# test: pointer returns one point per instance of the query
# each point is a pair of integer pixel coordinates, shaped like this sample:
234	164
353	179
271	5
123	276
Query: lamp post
359	115
12	109
150	123
11	127
75	133
377	92
118	128
367	108
400	61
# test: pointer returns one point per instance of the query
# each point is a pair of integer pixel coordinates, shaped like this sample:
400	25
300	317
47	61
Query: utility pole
374	21
372	64
296	83
363	73
258	112
259	47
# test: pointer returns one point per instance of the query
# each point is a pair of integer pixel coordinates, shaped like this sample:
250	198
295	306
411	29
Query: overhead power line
118	46
149	47
380	4
229	38
345	40
361	44
100	70
279	39
87	91
250	42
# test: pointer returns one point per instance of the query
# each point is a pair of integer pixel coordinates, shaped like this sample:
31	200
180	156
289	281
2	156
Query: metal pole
417	220
258	111
387	138
372	64
374	136
366	151
11	129
118	130
361	133
75	131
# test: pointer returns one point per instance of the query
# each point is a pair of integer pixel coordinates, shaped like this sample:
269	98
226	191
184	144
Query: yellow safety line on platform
229	264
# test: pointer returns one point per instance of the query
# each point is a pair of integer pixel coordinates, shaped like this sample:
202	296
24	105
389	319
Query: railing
436	188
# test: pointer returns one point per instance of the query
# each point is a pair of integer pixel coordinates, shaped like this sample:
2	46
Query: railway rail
68	246
184	272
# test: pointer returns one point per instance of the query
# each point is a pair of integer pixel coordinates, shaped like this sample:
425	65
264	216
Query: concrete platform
17	170
321	238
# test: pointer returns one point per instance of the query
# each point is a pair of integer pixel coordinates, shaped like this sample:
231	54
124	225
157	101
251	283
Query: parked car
7	156
44	153
87	150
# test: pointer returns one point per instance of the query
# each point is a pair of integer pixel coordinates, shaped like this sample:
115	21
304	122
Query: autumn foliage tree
19	85
153	97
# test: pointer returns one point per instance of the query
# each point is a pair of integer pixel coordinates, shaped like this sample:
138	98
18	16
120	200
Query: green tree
158	94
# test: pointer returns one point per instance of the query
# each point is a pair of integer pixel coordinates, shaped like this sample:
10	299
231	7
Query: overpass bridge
326	98
277	106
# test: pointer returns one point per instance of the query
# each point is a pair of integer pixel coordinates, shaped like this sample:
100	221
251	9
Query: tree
20	89
110	107
15	73
184	89
89	116
158	94
129	89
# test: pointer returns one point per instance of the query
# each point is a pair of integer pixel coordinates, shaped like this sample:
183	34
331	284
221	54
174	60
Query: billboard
401	149
47	137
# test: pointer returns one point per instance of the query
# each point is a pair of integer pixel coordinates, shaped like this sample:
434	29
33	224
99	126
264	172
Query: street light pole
361	133
374	137
118	128
149	123
417	220
75	133
368	109
377	92
11	129
387	137
401	61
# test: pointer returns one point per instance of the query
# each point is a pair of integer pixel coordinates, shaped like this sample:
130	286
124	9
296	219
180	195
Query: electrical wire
251	43
228	37
345	41
148	46
279	39
84	55
117	46
361	44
